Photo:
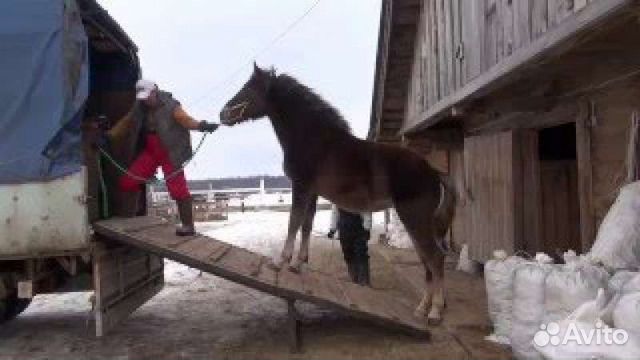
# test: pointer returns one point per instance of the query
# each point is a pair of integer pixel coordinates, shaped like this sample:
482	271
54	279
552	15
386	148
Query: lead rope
175	173
103	187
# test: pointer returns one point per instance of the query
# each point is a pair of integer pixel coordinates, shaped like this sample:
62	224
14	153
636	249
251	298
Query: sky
201	51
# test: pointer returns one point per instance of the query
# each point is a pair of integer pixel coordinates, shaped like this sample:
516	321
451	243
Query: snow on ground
263	232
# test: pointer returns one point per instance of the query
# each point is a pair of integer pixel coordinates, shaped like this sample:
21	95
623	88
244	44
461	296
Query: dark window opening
558	143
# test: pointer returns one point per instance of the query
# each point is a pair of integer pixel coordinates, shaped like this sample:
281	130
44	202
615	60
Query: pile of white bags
582	335
626	314
570	285
528	305
618	242
499	282
523	294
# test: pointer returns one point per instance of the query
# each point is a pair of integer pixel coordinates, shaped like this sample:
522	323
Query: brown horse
323	158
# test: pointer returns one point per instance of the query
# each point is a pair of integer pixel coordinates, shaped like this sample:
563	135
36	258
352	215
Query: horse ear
256	68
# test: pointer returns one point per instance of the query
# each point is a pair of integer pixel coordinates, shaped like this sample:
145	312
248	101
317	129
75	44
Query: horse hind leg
307	225
437	300
425	303
414	214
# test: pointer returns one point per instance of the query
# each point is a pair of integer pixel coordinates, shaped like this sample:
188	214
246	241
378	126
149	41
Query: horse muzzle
234	114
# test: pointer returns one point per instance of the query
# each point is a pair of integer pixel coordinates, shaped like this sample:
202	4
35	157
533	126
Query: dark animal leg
307	226
425	304
300	203
416	215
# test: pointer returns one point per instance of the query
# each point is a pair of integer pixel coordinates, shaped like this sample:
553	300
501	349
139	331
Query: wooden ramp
250	269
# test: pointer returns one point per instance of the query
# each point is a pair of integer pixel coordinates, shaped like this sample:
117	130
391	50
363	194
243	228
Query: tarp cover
43	87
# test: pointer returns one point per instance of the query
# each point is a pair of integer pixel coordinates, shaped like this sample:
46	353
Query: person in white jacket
354	232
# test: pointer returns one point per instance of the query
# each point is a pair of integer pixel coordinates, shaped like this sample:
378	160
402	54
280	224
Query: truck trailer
68	70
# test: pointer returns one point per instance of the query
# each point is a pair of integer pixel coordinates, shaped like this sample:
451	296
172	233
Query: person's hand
208	127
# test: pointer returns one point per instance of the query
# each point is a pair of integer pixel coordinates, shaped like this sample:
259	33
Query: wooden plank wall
493	216
610	126
457	40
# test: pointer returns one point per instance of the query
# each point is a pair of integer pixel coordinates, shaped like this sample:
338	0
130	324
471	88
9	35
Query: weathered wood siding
610	127
494	182
458	40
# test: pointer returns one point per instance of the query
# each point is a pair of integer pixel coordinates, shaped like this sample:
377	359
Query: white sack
619	279
570	285
465	264
528	306
618	242
632	285
499	274
574	351
626	314
586	318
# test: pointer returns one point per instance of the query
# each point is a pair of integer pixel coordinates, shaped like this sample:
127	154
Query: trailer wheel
10	305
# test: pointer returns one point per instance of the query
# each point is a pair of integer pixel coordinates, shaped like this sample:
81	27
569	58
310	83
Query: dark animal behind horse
323	158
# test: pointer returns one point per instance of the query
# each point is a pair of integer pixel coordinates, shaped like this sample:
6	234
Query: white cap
144	89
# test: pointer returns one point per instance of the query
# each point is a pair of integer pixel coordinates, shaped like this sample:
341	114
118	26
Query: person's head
147	92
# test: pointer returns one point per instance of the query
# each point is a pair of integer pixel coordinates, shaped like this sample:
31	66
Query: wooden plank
552	42
458	46
267	274
290	281
430	54
539	18
522	23
252	270
579	5
449	46
321	285
508	18
532	211
492	222
107	319
585	179
241	261
440	35
490	54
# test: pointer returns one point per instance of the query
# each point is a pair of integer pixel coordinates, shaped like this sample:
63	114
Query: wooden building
527	104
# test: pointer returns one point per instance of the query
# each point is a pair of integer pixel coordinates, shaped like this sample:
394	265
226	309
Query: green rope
153	180
103	186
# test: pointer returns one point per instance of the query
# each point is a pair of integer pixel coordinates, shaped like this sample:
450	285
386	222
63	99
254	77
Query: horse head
251	102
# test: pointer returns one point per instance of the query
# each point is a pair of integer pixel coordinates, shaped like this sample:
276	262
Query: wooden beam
558	40
585	177
562	114
293	322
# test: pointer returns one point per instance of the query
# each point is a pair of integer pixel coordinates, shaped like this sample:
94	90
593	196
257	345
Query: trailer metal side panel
44	217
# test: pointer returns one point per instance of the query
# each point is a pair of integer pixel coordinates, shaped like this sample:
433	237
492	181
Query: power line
223	84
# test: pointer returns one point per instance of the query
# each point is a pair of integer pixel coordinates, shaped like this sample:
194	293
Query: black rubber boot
364	278
352	268
185	212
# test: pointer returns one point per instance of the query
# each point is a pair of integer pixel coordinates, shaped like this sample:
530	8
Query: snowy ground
201	316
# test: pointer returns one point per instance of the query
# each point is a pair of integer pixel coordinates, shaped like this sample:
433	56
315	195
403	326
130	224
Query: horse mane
302	99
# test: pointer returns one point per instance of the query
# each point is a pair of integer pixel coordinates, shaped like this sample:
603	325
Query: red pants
153	156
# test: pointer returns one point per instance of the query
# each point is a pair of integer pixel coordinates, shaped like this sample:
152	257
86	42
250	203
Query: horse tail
443	215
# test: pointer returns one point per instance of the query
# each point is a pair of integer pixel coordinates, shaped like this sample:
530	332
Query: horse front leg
300	202
307	226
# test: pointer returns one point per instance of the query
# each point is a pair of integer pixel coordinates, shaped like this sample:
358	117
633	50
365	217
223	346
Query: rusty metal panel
44	217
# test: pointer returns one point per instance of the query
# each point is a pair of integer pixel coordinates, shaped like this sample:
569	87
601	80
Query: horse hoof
274	266
297	266
433	321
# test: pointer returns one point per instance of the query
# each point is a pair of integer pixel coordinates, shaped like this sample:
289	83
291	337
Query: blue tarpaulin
43	88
